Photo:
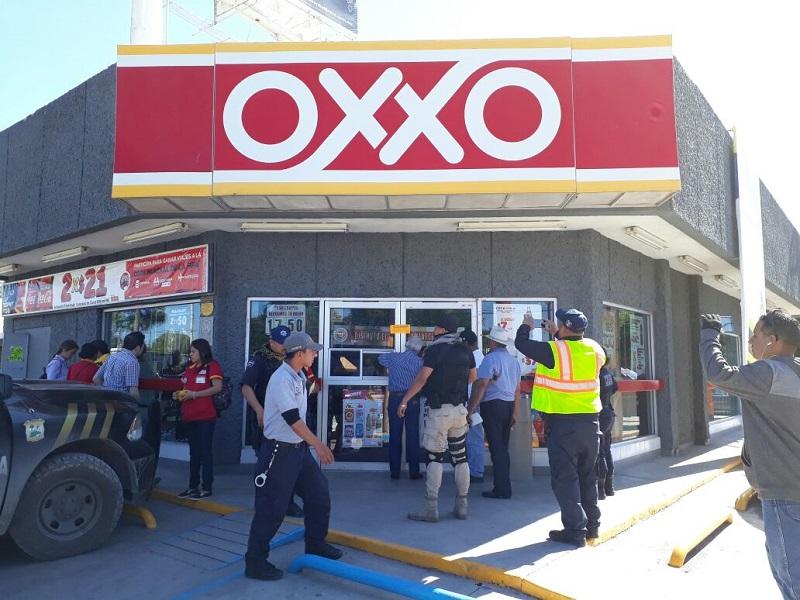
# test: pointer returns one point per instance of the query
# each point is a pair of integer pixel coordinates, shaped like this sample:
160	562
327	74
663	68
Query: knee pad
458	449
437	457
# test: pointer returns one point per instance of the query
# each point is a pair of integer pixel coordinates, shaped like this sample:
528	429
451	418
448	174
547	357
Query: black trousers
572	447
201	454
497	415
293	470
605	462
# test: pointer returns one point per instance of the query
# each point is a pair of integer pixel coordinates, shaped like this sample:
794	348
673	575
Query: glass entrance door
354	421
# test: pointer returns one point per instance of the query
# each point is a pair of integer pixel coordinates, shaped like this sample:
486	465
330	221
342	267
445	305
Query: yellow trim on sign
160	190
394	188
608	43
155	49
69	423
555	42
658	185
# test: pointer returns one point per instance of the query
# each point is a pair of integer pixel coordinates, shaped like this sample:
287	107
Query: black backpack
223	399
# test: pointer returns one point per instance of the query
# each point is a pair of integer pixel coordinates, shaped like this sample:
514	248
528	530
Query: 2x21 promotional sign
155	276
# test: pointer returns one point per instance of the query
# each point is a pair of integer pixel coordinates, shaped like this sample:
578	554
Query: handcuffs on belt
261	478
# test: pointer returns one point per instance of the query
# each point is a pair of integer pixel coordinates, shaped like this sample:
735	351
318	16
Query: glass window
297	315
168	331
626	338
509	314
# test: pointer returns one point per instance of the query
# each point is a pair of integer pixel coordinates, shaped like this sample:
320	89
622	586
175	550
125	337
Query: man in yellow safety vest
567	393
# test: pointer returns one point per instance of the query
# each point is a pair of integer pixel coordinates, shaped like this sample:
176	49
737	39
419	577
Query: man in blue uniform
256	376
285	464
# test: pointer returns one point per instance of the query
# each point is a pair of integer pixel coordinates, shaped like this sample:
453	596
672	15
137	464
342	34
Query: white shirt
286	390
478	360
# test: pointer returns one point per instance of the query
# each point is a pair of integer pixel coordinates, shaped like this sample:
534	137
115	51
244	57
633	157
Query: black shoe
567	537
493	494
416	476
475	479
200	494
394	475
188	493
592	533
325	550
609	487
265	571
294	510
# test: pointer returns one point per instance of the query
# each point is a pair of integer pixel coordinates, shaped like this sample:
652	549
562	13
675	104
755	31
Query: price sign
292	316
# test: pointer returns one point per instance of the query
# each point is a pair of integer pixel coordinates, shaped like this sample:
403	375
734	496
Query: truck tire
70	505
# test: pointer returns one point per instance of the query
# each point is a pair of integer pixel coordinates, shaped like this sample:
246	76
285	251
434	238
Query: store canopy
461	125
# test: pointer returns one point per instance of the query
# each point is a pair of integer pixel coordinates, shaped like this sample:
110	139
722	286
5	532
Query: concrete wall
56	167
705	207
781	248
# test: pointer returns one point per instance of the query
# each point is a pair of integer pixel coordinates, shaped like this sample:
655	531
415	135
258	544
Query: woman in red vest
202	379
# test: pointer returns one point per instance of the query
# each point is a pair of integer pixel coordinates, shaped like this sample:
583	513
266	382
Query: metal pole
147	22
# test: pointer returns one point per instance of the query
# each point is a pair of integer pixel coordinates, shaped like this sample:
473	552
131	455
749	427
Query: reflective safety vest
572	386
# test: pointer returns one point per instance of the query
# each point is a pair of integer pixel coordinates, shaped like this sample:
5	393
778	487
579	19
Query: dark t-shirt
448	383
259	369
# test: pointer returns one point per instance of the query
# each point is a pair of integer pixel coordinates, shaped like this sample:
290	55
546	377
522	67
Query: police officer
567	393
448	367
256	376
285	464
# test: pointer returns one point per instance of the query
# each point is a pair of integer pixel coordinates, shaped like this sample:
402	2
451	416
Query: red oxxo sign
552	115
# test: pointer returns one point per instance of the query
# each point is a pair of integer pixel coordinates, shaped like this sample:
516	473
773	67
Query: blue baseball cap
279	333
573	319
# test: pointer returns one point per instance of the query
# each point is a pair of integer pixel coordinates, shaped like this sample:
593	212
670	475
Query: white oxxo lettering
421	115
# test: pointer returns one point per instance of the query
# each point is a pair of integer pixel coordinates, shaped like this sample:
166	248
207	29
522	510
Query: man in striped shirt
403	369
121	370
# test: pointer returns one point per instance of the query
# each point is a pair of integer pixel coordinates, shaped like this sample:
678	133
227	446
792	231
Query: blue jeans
411	422
782	528
475	454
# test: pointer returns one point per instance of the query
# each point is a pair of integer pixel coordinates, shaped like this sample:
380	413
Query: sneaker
265	571
568	537
592	533
188	493
325	550
200	494
294	510
394	475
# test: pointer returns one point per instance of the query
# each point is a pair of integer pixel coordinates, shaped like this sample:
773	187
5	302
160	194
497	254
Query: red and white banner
552	115
156	276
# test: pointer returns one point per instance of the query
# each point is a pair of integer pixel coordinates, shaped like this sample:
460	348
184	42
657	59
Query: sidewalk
508	534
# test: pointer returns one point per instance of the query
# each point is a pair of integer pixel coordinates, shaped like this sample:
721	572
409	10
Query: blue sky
741	54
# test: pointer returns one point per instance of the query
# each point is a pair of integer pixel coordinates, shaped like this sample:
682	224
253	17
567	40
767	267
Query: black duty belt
287	444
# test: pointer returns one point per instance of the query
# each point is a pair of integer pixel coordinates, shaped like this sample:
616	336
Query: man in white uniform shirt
285	464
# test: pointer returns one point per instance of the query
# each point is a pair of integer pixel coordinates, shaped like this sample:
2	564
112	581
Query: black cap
469	337
447	322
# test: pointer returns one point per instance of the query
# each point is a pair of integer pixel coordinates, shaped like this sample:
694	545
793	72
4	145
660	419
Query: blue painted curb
389	583
215	584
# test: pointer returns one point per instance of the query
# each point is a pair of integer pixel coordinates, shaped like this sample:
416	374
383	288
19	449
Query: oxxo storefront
356	190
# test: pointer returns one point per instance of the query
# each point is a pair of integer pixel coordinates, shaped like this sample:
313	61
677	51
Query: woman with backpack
57	367
202	379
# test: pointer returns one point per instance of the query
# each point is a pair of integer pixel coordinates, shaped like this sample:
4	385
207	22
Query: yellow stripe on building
610	43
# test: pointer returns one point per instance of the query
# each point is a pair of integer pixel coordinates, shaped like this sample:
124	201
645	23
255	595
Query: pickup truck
70	455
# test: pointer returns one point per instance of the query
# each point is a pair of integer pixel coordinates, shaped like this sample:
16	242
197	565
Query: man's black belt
287	444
